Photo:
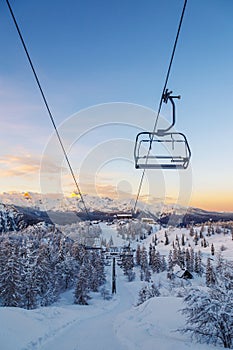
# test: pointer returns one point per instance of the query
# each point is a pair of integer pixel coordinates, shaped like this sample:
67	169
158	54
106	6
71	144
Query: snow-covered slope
115	324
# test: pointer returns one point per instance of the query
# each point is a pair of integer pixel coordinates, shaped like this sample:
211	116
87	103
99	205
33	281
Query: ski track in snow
87	326
99	329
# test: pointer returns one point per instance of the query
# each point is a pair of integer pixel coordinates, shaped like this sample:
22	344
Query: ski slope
115	324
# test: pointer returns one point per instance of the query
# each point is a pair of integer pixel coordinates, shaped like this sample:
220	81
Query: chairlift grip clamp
167	96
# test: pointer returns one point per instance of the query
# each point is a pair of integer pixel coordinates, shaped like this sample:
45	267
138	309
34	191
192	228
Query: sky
102	65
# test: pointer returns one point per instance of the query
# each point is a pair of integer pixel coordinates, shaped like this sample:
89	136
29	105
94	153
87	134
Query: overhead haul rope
161	102
48	109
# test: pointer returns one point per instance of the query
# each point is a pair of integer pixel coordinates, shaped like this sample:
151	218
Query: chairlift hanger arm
168	96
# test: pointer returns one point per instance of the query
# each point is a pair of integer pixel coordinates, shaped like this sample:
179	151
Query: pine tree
127	263
196	266
78	252
219	263
191	260
210	276
199	259
99	264
204	243
187	259
191	232
138	255
10	280
163	264
202	230
148	292
144	259
31	290
45	276
150	254
209	315
82	286
157	263
212	249
182	239
196	238
147	274
144	294
110	243
198	263
175	256
166	239
153	253
170	261
181	257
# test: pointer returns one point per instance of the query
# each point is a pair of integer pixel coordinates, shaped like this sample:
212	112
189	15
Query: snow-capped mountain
59	208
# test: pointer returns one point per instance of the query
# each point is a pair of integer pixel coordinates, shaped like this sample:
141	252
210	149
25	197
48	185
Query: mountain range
18	210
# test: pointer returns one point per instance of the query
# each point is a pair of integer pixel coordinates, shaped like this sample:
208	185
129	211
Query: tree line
38	263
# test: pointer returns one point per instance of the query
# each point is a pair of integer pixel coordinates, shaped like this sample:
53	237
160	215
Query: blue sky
94	52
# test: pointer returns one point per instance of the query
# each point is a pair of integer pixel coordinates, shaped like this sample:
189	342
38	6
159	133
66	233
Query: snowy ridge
58	202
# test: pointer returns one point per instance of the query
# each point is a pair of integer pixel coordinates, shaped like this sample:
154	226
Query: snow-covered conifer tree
191	260
138	255
209	315
82	287
170	261
166	238
147	292
183	239
147	274
212	249
11	292
175	256
144	258
156	267
163	264
210	275
150	254
187	260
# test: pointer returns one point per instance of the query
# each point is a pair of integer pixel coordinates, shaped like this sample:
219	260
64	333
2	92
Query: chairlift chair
163	149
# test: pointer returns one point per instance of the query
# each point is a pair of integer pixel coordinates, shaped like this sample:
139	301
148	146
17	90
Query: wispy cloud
11	165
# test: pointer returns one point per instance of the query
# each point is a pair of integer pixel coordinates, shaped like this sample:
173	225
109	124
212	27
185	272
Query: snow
110	231
117	324
61	202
